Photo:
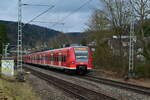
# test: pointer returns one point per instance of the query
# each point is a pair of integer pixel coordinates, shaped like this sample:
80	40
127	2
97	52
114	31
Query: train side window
60	58
47	58
40	57
54	58
50	57
57	58
64	58
43	57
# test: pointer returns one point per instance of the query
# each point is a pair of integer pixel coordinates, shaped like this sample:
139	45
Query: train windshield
81	54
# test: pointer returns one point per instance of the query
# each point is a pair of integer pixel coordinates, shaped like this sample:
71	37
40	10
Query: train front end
82	59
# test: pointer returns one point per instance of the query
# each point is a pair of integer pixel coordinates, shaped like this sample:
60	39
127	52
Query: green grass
15	90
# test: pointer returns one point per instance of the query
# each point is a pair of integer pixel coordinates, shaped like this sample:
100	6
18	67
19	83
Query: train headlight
73	62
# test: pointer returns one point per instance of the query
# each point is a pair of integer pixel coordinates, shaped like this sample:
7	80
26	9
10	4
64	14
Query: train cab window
81	54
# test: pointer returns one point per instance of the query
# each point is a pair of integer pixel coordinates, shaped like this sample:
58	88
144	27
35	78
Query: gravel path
120	94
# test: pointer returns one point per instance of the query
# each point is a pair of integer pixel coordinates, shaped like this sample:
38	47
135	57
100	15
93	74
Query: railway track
79	92
127	86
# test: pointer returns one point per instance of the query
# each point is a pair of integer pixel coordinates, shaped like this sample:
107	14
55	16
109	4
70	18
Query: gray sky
75	23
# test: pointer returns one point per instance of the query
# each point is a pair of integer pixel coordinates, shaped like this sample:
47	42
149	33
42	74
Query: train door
44	59
59	59
64	55
68	58
35	59
56	59
40	59
52	59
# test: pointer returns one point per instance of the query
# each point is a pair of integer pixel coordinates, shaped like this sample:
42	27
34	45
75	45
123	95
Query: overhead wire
25	4
38	15
76	10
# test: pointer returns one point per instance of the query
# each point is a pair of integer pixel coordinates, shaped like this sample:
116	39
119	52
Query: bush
143	69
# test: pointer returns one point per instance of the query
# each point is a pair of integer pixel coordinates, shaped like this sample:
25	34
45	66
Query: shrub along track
73	89
122	85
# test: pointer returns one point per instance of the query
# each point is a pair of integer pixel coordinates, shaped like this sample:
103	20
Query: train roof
47	51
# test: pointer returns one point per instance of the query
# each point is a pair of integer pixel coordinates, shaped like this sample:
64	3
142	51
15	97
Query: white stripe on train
60	67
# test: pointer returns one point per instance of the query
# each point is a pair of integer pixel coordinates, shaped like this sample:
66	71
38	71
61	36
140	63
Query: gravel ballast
46	91
120	94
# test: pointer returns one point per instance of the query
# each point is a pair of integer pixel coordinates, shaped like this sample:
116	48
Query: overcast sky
74	23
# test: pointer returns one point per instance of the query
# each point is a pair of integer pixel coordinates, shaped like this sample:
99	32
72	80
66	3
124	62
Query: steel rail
128	86
80	92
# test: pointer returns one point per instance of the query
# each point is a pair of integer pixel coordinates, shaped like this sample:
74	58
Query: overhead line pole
131	45
19	37
19	41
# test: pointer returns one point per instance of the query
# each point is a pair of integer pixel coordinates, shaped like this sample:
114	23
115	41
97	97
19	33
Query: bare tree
97	25
58	40
118	12
119	17
98	31
142	12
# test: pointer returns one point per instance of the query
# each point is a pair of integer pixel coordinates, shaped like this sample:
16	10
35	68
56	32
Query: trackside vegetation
14	90
3	36
111	54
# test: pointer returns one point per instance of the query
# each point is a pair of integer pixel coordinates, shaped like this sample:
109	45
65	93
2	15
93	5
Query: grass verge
14	90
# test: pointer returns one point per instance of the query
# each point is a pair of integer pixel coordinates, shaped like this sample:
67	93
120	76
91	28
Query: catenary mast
131	43
19	40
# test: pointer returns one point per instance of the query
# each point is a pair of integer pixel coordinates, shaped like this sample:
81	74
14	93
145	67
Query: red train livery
76	58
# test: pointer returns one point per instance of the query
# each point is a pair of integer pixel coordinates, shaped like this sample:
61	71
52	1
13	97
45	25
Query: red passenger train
73	59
